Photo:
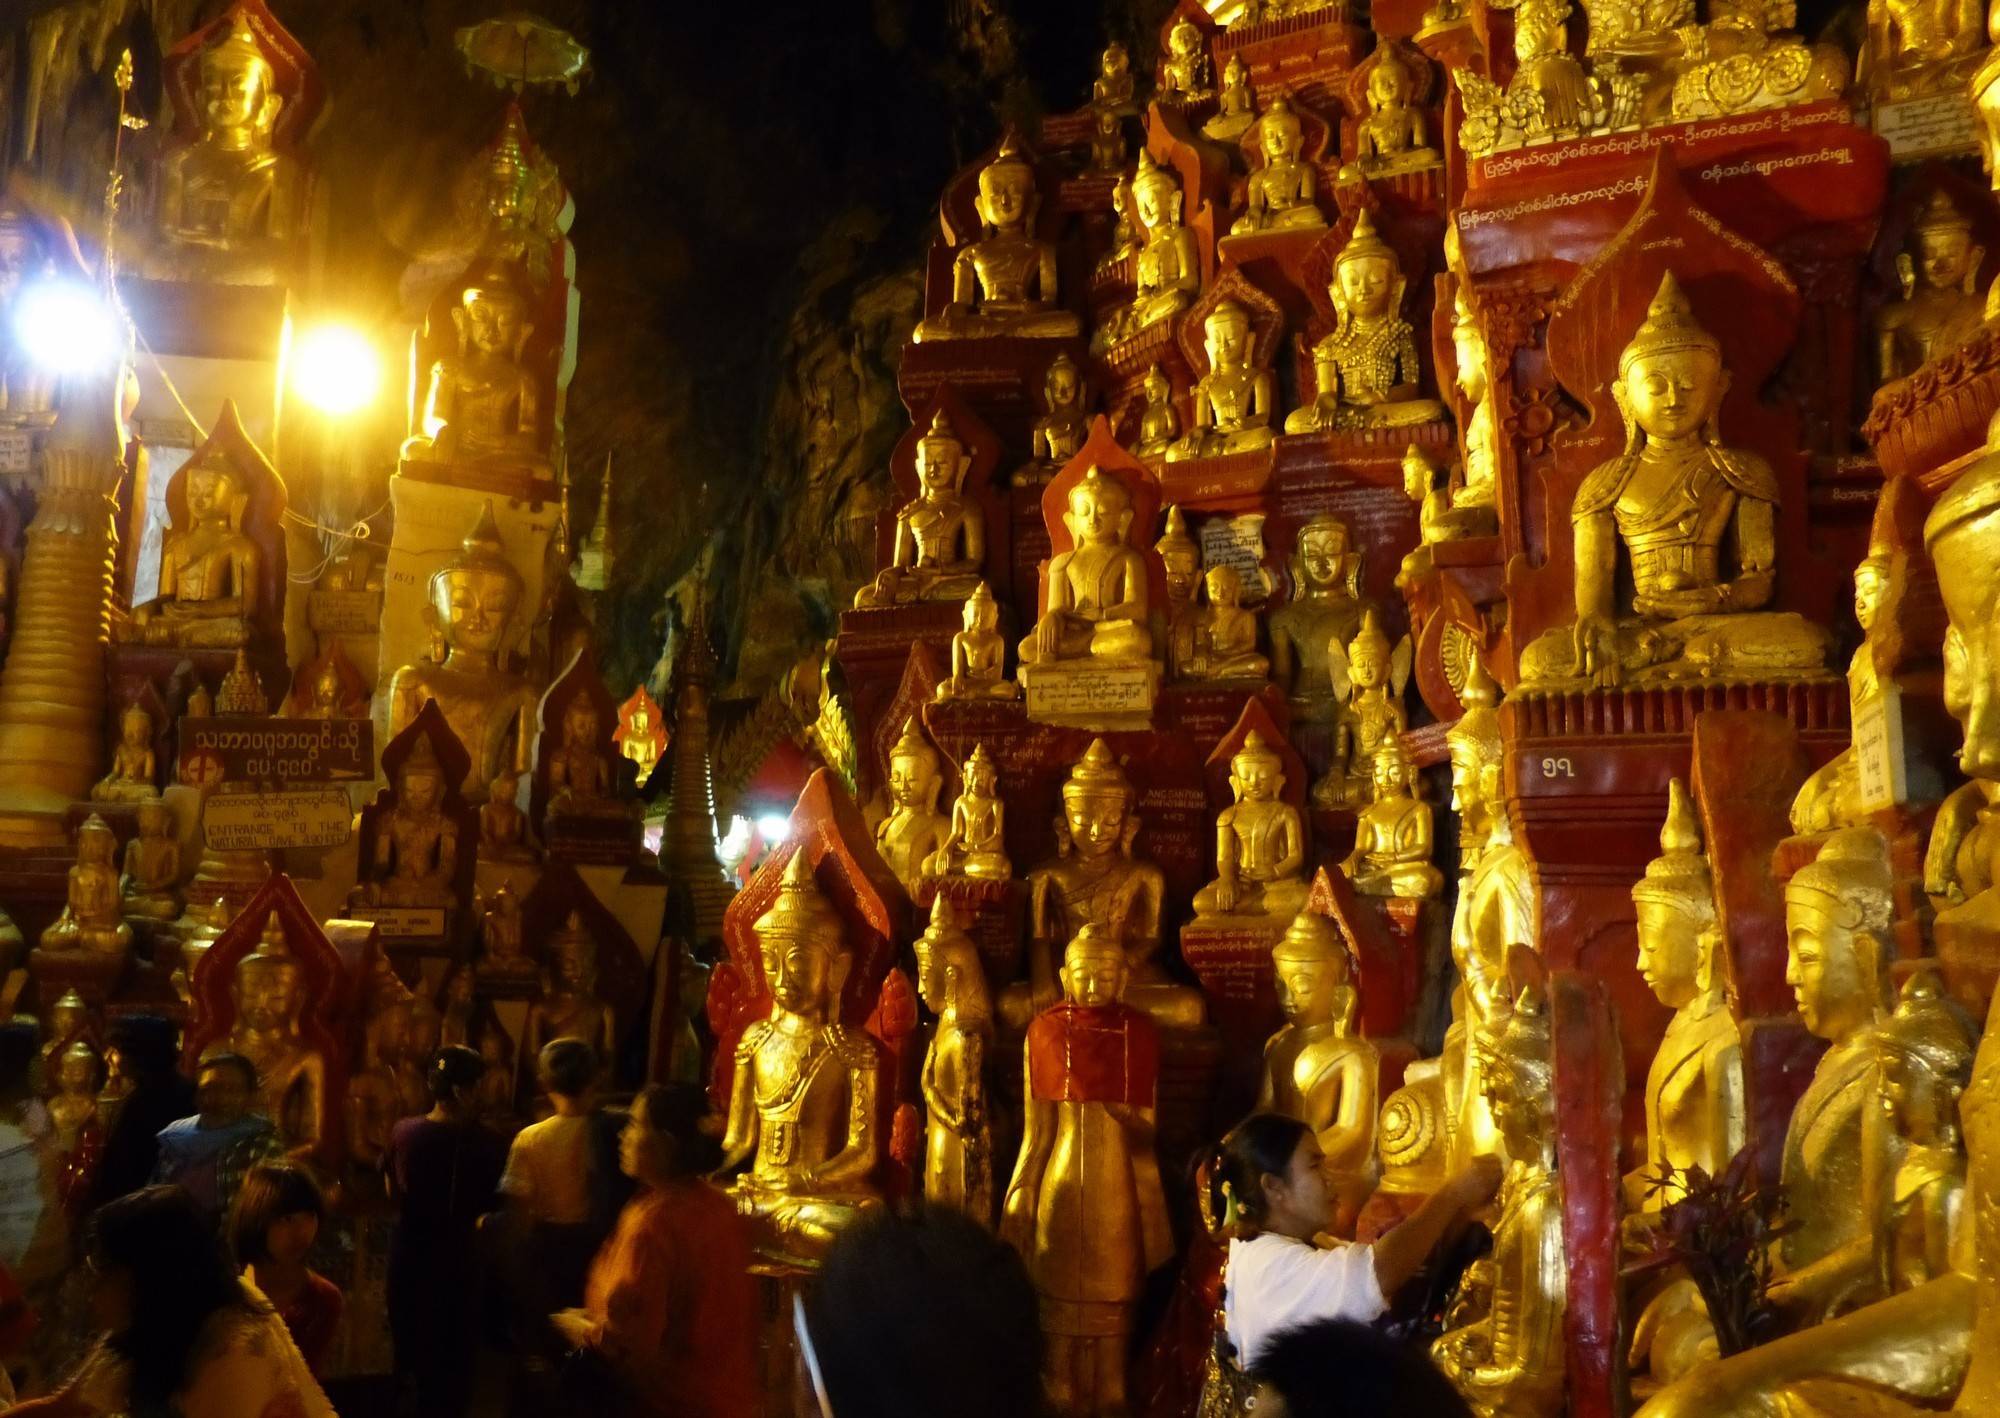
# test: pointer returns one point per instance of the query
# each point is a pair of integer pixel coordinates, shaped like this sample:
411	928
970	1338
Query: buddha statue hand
1749	591
1595	638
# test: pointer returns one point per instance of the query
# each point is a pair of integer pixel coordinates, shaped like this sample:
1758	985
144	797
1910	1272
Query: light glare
336	369
774	828
67	327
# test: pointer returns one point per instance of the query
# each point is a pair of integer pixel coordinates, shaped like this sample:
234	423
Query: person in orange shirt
669	1307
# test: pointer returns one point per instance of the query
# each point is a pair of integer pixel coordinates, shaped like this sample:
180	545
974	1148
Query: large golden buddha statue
802	1105
483	406
209	571
1318	1068
1168	270
1096	603
232	206
269	994
1234	400
1696	521
473	600
1280	194
1003	283
940	542
1366	370
1941	306
1260	843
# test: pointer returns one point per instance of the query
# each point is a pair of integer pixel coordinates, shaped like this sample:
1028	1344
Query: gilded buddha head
1837	916
1678	932
1235	77
475	594
1962	535
1314	976
1184	40
941	458
1225	586
214	488
1390	81
1390	768
581	723
1468	345
1670	375
981	614
1368	653
77	1068
1006	189
1062	386
914	779
1226	335
1927	1046
1256	773
96	843
1115	63
1157	386
1156	196
1324	560
1181	555
1094	969
1100	509
268	987
1517	1074
1871	587
1097	804
238	97
154	819
1939	253
1280	133
135	726
67	1015
1476	752
1367	279
949	972
982	774
801	945
492	313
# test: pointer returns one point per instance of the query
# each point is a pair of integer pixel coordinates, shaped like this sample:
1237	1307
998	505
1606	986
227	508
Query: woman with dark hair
272	1228
1268	1184
183	1335
669	1305
443	1169
144	1054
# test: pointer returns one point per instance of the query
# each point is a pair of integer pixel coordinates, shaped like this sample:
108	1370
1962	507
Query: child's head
277	1215
567	1068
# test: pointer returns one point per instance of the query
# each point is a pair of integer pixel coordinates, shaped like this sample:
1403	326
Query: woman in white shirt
1269	1179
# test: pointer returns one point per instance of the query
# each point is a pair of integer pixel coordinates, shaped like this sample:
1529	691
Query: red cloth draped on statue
1102	1054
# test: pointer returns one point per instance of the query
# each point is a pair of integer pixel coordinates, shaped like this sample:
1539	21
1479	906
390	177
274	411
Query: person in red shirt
670	1307
272	1227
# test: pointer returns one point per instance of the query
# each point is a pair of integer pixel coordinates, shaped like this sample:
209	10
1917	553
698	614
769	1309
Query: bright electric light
774	827
67	327
335	369
732	844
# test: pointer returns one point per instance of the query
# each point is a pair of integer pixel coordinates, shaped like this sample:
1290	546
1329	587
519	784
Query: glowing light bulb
774	827
336	369
67	327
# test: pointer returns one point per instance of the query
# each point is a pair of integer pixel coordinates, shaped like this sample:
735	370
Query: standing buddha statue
1326	608
92	918
1393	834
958	1137
1260	842
483	405
1096	600
1366	370
1233	401
914	830
976	846
269	995
1471	503
1941	306
1180	558
570	1007
1688	511
1085	1208
1318	1068
1168	272
1003	283
979	653
1392	137
1280	194
1368	678
802	1106
940	541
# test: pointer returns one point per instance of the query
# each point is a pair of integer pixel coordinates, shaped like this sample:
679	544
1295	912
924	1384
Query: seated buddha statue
976	845
1368	676
1260	842
1919	48
1096	878
979	653
232	207
802	1104
1159	421
1167	272
1223	633
1366	371
1184	73
1063	426
581	780
1831	796
1696	520
1236	107
1004	282
1928	1044
209	571
1115	89
483	405
1233	401
503	827
152	866
269	994
570	1006
1096	601
1393	833
473	600
1941	306
503	964
131	775
416	843
1392	137
1318	1068
92	918
914	829
940	544
1280	194
1325	608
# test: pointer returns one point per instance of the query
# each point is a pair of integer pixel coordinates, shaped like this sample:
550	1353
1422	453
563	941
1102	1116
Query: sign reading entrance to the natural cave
308	817
276	750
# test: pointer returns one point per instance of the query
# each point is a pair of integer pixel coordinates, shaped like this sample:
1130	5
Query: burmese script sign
276	750
1878	750
306	817
1085	690
1929	127
405	922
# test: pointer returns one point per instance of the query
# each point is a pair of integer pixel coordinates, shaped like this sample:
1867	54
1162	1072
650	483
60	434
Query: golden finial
1928	1027
1370	636
801	911
911	743
1940	213
1680	875
1176	539
1096	771
1365	243
1669	326
1312	937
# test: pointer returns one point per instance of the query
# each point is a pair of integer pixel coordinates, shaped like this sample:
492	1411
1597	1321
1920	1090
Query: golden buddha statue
1368	677
1260	842
1003	283
1063	426
1695	1109
1509	1360
1184	72
1684	506
570	1007
1393	836
1471	503
1748	57
1927	1049
473	600
1096	879
1115	89
374	1101
1085	1208
958	1136
976	845
326	696
1168	271
1831	796
502	825
72	1106
940	533
1159	421
1551	94
209	571
92	915
1941	307
269	995
503	964
1326	608
1280	194
483	405
979	653
1223	633
1233	401
68	1018
1124	232
1392	137
581	781
1366	371
205	925
1096	600
1180	558
416	844
132	766
1107	142
1318	1068
152	866
1919	48
232	206
1236	108
802	1106
914	830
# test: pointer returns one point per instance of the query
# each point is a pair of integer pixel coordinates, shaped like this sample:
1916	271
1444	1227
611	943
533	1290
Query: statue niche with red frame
418	837
581	800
